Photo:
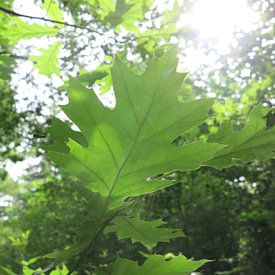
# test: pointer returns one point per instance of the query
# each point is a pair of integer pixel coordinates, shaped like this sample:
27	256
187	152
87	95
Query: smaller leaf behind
254	141
149	233
157	265
116	17
47	62
60	132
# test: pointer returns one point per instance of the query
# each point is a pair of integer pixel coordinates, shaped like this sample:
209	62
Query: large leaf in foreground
157	265
254	141
149	233
128	144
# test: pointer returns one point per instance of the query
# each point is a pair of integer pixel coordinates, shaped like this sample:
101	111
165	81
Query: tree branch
13	13
15	56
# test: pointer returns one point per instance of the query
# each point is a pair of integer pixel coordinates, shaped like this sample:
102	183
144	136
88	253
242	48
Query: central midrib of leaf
131	149
139	231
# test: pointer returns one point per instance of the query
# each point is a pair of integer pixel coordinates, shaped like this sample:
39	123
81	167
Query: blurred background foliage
227	215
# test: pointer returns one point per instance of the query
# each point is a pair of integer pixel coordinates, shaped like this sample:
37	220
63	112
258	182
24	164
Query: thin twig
13	13
15	56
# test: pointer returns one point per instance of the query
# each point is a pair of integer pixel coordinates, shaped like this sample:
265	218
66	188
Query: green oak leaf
116	17
157	265
128	144
149	233
16	29
102	7
53	10
47	62
128	13
62	136
90	78
254	141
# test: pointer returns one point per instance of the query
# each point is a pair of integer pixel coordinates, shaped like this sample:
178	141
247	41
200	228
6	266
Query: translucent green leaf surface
157	265
127	145
117	150
149	233
52	9
103	7
128	13
16	29
116	17
47	62
254	141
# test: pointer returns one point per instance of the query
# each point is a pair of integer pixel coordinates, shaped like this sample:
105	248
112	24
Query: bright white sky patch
219	18
19	169
216	21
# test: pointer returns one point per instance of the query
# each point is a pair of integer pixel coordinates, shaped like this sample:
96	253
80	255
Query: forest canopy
137	137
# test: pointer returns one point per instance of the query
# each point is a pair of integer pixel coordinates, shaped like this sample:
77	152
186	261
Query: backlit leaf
157	265
53	11
134	141
149	233
254	141
16	29
116	17
47	62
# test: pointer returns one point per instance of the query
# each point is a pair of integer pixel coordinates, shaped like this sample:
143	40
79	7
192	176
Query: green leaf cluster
117	152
